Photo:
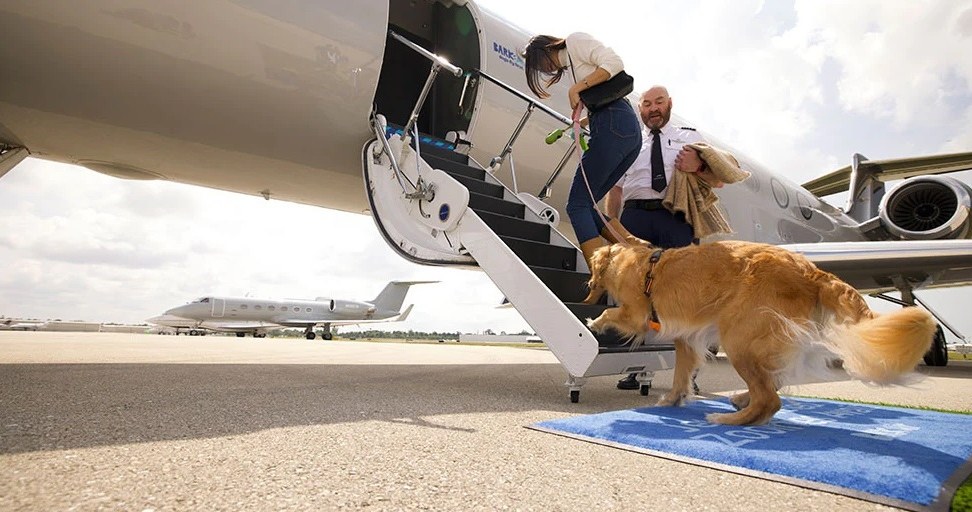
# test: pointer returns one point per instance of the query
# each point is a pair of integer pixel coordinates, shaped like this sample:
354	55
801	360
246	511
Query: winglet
404	314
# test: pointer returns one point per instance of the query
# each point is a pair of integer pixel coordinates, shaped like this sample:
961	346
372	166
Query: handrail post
548	186
413	118
497	161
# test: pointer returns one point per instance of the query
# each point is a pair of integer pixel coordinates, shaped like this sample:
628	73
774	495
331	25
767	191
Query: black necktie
658	181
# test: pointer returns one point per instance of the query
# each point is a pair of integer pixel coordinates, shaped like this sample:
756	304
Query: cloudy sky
800	86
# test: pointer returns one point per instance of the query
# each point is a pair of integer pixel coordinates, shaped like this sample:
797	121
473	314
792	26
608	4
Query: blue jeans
615	143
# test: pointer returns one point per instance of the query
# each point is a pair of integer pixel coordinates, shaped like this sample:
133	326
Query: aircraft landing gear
240	334
327	335
937	355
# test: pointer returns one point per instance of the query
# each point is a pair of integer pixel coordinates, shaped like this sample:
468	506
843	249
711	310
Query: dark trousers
660	227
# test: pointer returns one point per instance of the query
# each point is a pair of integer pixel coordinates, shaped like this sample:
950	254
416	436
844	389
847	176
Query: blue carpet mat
907	458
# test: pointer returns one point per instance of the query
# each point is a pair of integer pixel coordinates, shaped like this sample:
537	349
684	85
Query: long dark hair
539	64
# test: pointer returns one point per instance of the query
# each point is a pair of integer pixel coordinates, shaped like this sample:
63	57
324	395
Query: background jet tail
391	298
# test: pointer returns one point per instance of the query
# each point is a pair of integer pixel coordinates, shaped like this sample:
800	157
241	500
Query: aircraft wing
879	266
397	318
890	170
219	325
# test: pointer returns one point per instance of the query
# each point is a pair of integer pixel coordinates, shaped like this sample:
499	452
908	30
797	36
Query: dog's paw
671	399
740	401
595	325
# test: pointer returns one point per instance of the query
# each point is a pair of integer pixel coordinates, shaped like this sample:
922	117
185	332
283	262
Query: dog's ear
599	263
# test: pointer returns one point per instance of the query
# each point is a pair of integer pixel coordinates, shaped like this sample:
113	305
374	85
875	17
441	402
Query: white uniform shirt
588	54
636	182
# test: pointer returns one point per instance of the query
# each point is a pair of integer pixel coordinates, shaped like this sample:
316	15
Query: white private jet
388	107
255	316
13	324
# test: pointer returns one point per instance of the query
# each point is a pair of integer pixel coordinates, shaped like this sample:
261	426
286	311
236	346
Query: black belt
644	204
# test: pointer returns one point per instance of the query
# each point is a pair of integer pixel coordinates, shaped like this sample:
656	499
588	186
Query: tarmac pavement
92	421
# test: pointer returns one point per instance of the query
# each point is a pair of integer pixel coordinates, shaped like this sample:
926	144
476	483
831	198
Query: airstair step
479	186
567	285
454	168
517	228
610	341
542	254
480	202
444	151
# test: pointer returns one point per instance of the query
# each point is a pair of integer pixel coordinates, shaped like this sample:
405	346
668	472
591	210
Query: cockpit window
201	301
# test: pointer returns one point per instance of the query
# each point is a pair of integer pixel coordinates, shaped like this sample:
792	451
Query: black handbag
604	93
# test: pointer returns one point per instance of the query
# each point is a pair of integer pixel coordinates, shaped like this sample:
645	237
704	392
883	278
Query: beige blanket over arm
694	197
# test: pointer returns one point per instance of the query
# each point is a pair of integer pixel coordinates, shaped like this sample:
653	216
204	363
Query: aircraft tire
240	334
327	336
311	335
937	355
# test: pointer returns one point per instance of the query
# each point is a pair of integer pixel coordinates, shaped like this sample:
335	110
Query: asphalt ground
92	421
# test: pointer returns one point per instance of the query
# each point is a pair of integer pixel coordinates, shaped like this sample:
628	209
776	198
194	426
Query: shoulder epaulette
686	128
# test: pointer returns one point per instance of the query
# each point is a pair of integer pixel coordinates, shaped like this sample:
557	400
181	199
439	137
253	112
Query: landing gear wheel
311	335
937	355
327	336
645	389
574	396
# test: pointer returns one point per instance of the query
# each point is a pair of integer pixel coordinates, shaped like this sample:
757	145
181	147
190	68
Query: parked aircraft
255	316
299	102
12	324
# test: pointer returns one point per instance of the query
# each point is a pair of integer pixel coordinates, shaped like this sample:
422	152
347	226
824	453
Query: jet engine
928	208
344	307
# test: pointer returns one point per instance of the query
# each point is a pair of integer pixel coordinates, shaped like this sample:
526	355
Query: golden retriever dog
770	309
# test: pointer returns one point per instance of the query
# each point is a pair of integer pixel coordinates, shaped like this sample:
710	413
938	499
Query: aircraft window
243	306
271	308
258	307
204	300
297	309
307	310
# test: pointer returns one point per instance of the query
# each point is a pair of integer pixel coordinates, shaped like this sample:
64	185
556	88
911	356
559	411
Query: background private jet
321	103
255	316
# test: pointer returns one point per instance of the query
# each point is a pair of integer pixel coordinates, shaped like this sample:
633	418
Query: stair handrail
536	104
532	104
438	62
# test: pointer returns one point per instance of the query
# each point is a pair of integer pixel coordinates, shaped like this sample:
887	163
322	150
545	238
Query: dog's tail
875	348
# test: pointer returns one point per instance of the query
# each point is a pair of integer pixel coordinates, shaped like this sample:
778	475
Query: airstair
437	206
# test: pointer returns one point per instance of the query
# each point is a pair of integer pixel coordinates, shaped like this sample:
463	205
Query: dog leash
577	136
653	322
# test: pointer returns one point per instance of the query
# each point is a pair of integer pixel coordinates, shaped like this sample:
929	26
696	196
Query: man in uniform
641	190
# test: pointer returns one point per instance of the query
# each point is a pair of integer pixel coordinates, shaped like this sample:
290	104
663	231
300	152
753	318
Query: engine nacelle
928	208
348	308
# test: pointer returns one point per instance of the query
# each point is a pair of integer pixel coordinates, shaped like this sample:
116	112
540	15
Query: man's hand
688	160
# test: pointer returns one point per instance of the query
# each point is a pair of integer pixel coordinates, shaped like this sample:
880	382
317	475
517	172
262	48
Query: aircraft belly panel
243	96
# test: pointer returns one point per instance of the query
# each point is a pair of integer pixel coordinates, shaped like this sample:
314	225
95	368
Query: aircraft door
219	307
448	29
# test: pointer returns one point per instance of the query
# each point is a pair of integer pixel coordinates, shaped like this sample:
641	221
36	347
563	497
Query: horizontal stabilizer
890	170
